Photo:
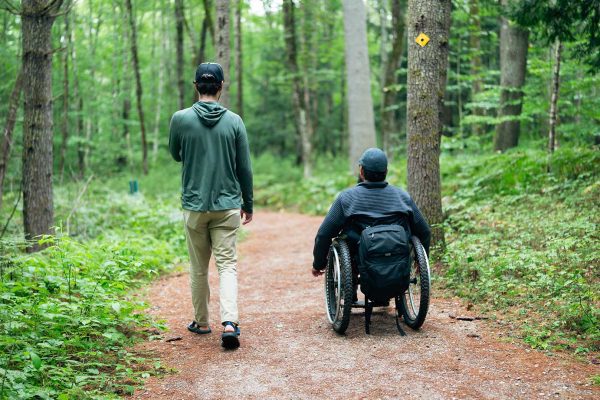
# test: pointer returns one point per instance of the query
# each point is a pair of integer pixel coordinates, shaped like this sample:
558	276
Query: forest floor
289	351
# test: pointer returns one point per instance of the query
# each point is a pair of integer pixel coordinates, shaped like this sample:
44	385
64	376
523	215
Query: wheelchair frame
412	305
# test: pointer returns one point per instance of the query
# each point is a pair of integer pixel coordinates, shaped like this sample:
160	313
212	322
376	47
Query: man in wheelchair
371	202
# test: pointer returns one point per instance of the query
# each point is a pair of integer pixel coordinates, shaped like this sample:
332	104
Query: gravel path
289	351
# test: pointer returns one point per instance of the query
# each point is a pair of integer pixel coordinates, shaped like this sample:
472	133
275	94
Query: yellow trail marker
422	39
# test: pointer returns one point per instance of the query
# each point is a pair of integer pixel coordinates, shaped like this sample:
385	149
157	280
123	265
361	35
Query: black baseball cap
209	73
374	160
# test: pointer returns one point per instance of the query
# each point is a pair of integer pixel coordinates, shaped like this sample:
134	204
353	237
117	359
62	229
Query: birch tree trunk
427	70
138	85
513	65
37	18
160	84
7	137
179	52
222	48
554	98
361	123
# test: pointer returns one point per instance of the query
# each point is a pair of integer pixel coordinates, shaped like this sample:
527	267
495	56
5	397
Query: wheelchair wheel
338	286
415	301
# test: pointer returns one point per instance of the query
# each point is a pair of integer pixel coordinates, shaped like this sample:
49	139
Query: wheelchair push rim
332	287
415	301
338	286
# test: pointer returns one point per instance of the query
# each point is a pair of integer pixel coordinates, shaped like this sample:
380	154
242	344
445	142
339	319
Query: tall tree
37	18
163	38
78	98
298	98
558	22
222	48
361	123
94	22
427	70
513	66
65	96
567	20
11	119
388	114
554	97
138	84
238	58
179	20
475	44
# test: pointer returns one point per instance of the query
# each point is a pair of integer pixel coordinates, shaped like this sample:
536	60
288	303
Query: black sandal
230	340
194	327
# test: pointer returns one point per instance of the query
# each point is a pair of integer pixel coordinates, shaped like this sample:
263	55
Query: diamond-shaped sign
422	39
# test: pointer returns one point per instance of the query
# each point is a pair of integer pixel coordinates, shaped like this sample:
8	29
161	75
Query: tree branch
83	190
11	214
189	31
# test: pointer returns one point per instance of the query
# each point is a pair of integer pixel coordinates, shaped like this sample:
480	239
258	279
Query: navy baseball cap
209	73
374	160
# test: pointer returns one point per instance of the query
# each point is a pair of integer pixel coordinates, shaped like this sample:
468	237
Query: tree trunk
126	159
298	101
554	98
361	123
160	84
238	58
78	98
475	44
65	110
11	119
389	95
179	52
427	70
308	50
138	85
209	20
222	48
513	65
38	210
90	123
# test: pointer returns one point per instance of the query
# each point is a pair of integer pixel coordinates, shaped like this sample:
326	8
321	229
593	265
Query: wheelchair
412	305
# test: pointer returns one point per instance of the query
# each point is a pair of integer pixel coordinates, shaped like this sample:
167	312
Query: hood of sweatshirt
209	112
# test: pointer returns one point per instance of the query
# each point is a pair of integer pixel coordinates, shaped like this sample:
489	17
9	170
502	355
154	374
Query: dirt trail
289	351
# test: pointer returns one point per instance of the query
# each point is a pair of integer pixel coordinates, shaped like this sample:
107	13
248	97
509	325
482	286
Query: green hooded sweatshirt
211	143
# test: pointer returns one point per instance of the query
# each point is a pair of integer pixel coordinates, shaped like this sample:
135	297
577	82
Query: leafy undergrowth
68	317
523	242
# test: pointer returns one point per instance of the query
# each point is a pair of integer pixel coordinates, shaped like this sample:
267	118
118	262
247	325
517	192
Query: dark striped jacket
368	203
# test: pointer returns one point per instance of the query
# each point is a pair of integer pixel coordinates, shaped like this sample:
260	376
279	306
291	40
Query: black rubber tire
412	319
339	323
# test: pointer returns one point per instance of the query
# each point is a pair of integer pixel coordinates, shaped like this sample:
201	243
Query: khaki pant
213	232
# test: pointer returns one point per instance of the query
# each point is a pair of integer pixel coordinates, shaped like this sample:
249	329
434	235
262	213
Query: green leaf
36	361
116	307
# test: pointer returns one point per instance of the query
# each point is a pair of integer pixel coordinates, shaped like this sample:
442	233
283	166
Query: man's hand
247	217
316	273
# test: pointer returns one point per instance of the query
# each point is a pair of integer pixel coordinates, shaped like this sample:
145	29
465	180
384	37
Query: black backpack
384	261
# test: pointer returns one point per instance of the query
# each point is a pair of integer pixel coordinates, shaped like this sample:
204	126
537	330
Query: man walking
211	143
